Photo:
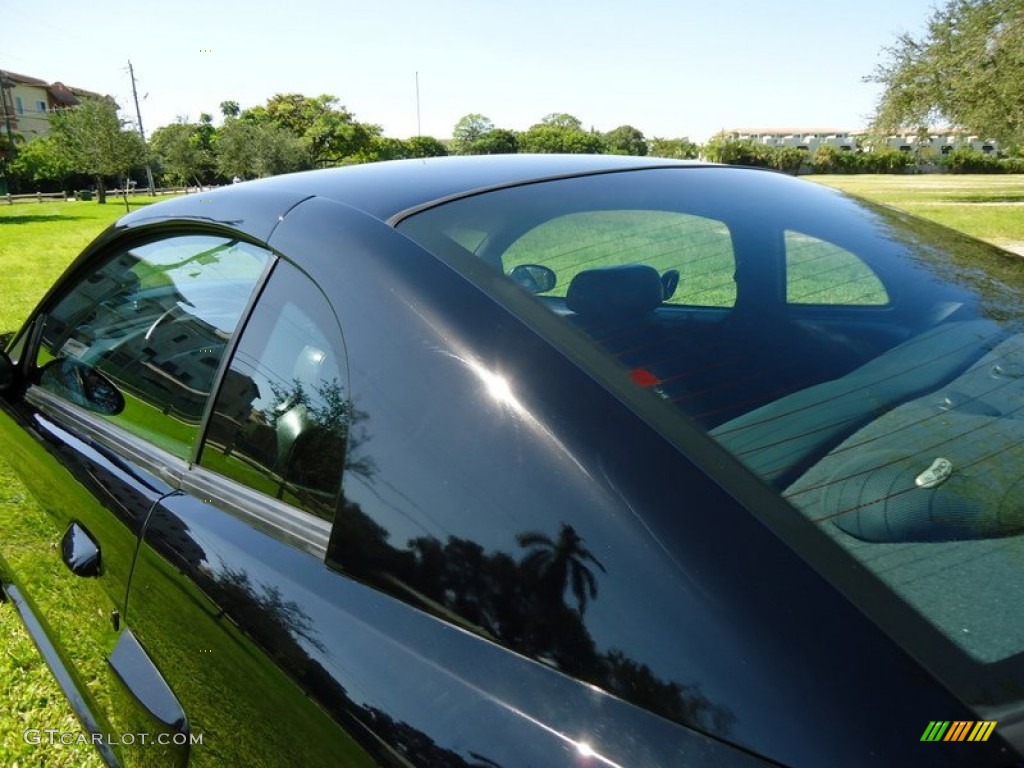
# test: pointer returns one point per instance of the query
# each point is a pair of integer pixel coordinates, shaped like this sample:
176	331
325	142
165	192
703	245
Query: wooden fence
39	197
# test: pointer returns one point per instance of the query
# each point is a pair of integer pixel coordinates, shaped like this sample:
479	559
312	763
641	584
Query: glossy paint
413	628
494	419
75	480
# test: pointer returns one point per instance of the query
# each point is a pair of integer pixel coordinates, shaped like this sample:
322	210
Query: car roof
388	188
383	189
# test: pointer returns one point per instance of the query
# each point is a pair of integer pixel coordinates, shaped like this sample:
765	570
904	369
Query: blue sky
669	67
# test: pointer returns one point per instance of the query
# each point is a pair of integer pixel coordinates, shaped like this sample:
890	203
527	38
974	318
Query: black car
526	461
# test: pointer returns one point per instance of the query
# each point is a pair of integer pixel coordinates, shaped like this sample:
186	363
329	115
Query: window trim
274	517
229	353
93	254
283	521
126	444
209	411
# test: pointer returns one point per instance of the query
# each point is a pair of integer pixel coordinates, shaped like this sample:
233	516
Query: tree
251	150
230	108
681	149
886	160
468	131
560	564
626	140
382	148
9	150
425	146
787	159
721	148
561	133
185	151
829	159
94	141
968	69
562	120
334	140
40	161
500	141
329	133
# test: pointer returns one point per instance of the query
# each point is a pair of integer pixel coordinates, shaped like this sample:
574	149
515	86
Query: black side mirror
82	385
534	277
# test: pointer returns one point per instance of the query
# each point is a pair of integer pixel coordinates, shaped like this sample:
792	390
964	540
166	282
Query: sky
671	68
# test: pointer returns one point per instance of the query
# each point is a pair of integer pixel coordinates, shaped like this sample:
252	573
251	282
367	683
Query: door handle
80	551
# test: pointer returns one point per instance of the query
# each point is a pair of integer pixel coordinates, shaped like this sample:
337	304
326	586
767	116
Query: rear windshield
866	365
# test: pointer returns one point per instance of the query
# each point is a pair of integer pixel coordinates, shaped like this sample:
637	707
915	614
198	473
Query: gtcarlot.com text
56	736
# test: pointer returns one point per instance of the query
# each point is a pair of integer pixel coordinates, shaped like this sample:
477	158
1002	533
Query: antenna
418	131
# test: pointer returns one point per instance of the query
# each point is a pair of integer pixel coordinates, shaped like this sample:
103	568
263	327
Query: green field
989	207
38	241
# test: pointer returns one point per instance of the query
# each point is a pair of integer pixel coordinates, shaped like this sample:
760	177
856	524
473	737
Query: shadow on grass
37	217
1009	197
137	203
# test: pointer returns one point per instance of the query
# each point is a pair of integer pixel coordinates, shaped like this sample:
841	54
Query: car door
119	361
225	589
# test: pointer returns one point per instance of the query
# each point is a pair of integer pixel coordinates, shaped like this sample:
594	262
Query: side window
820	272
700	249
282	417
140	339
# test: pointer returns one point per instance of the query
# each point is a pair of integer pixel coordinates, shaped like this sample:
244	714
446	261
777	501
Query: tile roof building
26	103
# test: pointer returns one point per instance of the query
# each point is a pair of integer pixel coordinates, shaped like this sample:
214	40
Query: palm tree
560	564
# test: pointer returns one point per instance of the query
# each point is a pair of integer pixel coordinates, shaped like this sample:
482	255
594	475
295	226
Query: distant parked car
526	461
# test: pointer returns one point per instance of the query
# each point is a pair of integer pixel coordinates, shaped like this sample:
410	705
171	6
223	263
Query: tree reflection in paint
557	564
518	603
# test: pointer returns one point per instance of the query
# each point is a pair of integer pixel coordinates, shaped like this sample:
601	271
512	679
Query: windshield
867	365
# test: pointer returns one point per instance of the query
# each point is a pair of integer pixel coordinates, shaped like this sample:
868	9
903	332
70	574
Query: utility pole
138	115
418	131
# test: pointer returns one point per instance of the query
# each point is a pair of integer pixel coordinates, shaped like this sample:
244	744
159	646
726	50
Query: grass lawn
990	207
38	241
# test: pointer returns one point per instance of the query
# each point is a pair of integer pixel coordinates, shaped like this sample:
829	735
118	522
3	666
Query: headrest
630	290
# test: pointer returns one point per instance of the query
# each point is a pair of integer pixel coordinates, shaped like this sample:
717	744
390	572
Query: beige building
930	142
802	138
934	142
26	103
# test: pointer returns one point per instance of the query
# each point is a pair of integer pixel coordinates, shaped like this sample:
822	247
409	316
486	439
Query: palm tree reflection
555	565
520	603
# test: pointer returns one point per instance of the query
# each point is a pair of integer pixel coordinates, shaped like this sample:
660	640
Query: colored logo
959	730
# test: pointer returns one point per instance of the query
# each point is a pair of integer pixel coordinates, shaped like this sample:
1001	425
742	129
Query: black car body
526	461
